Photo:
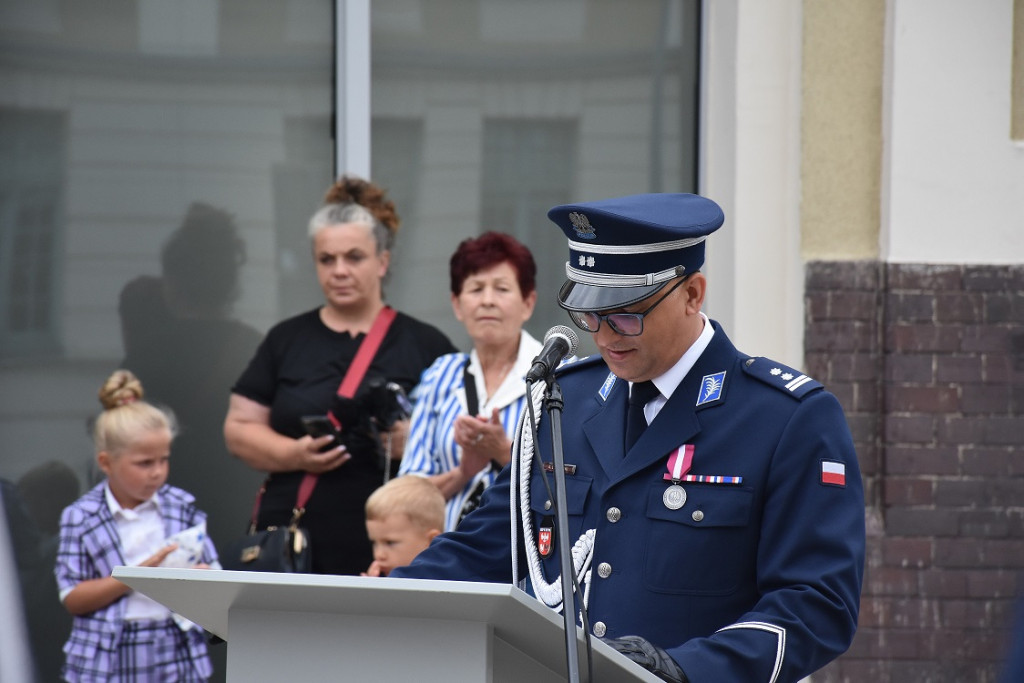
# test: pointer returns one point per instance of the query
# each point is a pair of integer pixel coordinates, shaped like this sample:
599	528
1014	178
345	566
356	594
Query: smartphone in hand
320	425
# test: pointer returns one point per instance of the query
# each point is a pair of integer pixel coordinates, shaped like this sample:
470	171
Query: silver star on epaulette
775	371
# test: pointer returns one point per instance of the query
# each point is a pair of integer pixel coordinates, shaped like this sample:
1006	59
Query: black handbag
276	548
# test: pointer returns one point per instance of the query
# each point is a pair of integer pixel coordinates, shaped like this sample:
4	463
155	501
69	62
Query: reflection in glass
142	150
178	334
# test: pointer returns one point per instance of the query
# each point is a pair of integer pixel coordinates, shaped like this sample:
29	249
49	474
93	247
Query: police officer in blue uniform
715	503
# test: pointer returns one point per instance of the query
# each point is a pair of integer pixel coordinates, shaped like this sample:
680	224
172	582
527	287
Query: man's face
668	331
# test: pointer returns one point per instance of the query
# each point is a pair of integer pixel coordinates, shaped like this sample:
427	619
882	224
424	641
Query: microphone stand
553	404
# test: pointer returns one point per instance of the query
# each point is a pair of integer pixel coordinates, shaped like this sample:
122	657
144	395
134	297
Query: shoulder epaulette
782	377
577	363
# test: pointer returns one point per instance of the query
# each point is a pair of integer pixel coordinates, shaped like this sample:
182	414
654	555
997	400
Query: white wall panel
954	183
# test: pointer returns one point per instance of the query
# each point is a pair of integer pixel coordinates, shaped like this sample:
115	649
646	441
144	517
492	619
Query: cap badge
581	224
587	261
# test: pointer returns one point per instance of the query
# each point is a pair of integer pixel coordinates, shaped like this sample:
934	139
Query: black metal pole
553	406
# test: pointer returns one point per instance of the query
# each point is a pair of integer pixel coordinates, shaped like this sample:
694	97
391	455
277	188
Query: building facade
869	157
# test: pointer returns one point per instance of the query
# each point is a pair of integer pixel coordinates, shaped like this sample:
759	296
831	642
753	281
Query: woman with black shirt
299	365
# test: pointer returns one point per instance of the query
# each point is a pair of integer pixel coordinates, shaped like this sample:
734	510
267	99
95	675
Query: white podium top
206	596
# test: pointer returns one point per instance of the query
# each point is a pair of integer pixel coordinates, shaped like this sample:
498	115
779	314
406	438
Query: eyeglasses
626	324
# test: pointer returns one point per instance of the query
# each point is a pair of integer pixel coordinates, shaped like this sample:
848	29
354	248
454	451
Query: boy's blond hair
411	495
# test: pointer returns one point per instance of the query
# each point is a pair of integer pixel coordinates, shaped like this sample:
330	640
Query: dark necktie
636	423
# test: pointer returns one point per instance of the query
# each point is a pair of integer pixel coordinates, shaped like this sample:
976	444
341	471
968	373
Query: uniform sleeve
810	560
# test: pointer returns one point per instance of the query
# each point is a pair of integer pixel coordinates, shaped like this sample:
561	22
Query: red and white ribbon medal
679	463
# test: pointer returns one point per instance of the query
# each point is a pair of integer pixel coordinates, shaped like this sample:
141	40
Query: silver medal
674	497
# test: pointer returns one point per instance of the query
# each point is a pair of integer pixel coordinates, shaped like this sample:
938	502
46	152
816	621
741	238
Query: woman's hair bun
121	388
351	189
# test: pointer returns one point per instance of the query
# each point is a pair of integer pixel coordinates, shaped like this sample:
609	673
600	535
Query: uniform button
604	570
697	515
547	504
600	629
613	515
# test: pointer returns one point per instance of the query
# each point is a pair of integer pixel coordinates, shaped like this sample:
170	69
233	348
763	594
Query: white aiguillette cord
550	593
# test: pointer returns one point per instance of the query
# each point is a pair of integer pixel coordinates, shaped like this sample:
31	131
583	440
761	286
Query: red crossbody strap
353	377
350	382
367	350
305	491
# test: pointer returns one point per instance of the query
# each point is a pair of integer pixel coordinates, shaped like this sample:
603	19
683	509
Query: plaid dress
102	645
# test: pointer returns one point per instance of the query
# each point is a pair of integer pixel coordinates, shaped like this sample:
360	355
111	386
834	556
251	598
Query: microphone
559	342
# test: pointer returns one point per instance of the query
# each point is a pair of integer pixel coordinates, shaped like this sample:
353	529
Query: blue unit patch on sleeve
782	377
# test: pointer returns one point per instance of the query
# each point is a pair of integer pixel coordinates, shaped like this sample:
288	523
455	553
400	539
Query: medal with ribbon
679	463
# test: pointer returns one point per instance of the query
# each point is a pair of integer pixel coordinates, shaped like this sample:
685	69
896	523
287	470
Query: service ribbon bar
711	479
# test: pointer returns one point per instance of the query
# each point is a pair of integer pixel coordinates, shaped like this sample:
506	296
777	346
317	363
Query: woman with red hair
468	404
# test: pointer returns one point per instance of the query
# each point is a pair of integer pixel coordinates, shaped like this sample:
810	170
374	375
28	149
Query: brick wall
928	361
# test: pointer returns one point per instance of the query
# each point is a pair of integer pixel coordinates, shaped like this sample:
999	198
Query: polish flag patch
833	473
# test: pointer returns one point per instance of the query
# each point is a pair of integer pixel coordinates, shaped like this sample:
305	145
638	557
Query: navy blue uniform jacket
757	581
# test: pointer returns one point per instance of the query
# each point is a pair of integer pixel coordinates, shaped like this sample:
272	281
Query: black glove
649	656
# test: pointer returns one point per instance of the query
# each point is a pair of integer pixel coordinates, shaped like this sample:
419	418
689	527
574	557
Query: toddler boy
402	517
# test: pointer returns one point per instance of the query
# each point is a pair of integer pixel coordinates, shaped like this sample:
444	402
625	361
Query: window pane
525	174
524	105
32	155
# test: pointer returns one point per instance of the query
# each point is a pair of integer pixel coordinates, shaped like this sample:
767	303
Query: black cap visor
574	296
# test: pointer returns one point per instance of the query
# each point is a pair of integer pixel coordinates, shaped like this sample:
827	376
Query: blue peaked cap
625	249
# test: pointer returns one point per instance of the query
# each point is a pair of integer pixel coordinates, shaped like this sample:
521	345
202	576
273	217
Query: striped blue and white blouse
441	397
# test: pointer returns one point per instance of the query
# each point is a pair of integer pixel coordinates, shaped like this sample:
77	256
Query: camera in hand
375	409
387	403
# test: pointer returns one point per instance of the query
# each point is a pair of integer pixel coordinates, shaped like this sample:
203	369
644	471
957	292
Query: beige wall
841	147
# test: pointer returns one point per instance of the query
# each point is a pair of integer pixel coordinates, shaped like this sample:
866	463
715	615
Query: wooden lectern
309	627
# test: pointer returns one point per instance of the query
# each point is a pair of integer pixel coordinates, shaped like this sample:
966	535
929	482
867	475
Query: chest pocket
706	547
576	491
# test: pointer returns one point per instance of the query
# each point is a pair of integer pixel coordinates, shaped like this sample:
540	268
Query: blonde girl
117	634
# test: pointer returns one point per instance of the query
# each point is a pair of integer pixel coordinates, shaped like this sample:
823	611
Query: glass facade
520	106
154	157
159	161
